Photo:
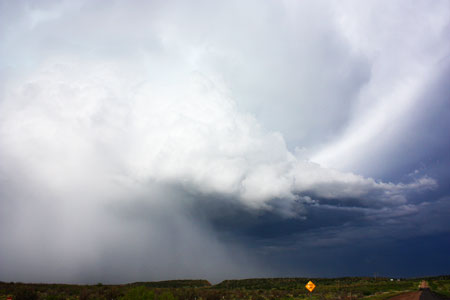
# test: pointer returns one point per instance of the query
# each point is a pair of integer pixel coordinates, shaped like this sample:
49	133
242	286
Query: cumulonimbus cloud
113	116
70	122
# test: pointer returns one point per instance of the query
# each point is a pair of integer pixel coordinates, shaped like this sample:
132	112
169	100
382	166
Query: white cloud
406	51
74	123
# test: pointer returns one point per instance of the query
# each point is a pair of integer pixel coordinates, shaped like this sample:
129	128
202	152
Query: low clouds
161	141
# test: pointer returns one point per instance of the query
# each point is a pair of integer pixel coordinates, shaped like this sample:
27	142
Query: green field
346	288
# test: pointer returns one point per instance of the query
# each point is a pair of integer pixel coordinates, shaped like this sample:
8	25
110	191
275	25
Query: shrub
166	296
25	294
139	293
54	297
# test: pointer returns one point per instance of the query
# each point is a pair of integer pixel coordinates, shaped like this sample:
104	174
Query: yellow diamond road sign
310	286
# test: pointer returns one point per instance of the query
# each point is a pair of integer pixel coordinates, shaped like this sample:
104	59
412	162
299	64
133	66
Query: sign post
310	286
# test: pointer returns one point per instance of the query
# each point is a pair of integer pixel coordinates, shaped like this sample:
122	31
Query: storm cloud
161	140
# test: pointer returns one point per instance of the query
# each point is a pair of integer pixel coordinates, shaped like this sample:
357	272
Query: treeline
174	284
346	288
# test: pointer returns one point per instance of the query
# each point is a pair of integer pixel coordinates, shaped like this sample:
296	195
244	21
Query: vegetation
347	288
441	285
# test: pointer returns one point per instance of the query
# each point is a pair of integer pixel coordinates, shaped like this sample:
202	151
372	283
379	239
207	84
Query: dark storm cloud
161	140
336	241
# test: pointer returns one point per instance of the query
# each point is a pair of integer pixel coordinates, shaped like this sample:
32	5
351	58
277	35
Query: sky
155	140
